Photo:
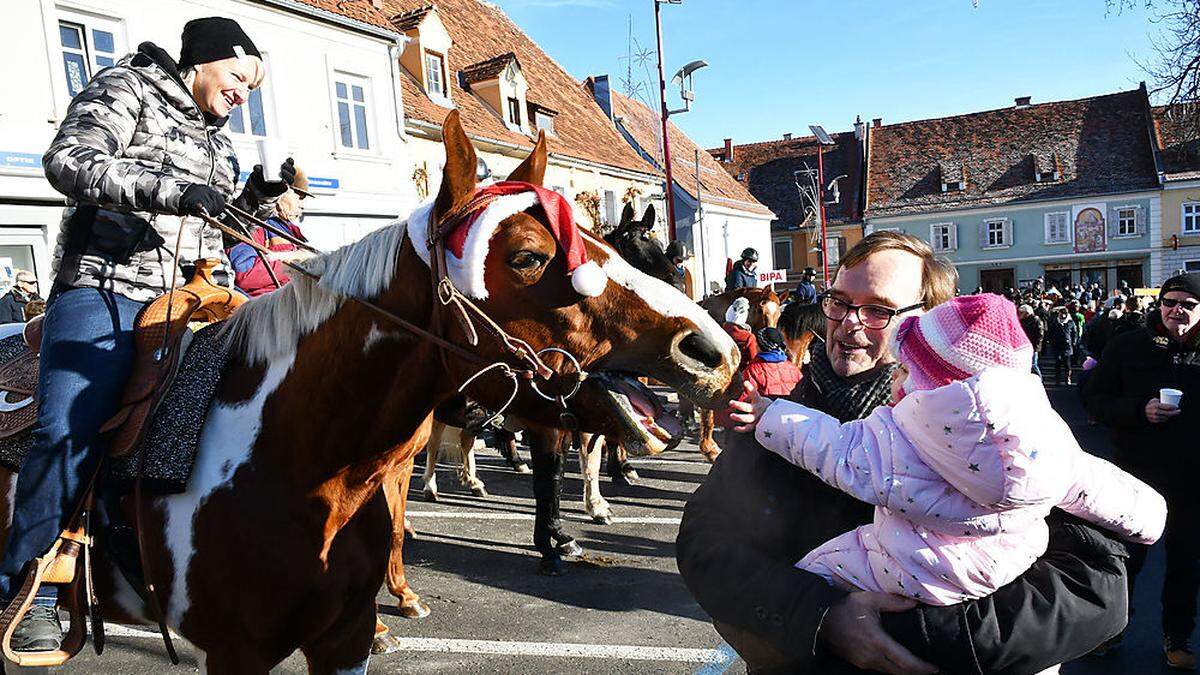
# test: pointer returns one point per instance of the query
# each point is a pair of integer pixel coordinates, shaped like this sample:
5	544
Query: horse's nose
696	346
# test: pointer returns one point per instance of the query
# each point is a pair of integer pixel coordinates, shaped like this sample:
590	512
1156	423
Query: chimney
859	127
603	94
728	149
877	122
787	137
1023	101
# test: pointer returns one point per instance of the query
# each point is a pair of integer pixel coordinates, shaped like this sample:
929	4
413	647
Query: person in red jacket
772	370
250	274
737	324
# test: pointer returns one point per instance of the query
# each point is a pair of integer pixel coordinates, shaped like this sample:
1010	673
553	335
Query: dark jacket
1035	331
755	515
1134	366
1061	337
12	307
1097	333
739	277
806	293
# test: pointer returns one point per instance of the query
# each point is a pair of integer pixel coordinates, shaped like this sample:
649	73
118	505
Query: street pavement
621	609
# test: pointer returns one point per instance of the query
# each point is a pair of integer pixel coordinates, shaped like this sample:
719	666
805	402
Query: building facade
715	216
1179	144
1067	190
331	98
773	172
468	56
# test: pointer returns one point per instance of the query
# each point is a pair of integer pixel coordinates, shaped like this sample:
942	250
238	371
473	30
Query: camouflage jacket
132	141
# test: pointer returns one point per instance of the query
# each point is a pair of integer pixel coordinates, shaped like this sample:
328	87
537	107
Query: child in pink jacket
963	469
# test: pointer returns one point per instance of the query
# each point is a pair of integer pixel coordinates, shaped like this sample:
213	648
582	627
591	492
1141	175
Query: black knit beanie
1188	283
213	39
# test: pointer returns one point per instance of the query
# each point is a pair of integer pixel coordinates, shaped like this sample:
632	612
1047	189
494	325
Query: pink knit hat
959	338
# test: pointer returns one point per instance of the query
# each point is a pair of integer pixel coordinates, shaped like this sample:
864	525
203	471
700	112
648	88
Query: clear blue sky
777	66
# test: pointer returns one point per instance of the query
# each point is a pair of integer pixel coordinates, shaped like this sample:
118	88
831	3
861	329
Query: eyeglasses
871	316
1187	305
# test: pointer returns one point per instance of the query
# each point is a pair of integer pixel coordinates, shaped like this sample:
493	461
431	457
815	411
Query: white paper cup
271	153
1169	396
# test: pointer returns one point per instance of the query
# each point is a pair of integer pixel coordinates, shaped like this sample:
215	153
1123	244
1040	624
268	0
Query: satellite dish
823	136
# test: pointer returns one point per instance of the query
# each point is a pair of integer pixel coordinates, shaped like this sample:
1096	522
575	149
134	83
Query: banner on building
1091	232
768	277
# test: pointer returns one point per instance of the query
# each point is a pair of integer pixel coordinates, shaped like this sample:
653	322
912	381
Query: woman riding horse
131	187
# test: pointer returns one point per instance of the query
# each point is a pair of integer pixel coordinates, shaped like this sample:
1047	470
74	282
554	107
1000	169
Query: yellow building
1181	192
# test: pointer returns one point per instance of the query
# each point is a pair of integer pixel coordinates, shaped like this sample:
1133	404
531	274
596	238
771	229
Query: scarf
846	399
772	356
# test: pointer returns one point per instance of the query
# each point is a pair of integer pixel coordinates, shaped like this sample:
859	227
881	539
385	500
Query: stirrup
61	565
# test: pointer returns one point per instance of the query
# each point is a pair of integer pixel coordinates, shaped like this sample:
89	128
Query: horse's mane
272	324
797	318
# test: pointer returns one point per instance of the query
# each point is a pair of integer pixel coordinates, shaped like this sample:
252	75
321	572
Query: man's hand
747	413
1158	412
853	632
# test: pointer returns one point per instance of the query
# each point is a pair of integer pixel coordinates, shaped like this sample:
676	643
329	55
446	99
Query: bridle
520	361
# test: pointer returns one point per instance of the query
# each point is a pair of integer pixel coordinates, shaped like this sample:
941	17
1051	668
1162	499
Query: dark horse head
636	243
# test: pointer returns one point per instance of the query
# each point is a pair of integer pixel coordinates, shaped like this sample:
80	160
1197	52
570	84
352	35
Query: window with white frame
1058	228
1127	221
782	250
353	111
89	44
249	118
943	237
996	234
833	251
1191	266
1191	217
435	74
610	207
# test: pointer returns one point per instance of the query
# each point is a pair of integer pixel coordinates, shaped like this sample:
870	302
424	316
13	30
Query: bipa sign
772	277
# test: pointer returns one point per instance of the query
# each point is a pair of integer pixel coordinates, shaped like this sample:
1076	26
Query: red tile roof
359	10
1178	130
1102	144
488	69
767	169
481	31
412	18
645	126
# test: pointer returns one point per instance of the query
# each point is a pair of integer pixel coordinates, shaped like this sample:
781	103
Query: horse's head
634	240
765	306
629	325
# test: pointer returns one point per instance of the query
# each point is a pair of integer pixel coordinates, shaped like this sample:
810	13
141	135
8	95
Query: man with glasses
12	305
1155	437
755	515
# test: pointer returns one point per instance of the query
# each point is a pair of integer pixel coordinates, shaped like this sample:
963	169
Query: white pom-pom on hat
589	279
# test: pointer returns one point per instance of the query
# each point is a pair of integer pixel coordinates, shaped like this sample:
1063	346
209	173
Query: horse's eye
526	260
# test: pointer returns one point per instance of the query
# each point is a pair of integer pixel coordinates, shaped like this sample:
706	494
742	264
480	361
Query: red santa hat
467	244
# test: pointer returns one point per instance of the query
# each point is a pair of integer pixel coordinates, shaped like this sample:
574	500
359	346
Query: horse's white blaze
225	444
667	300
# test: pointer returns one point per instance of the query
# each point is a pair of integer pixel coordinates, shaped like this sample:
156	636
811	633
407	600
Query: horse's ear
458	178
648	217
533	169
784	296
626	216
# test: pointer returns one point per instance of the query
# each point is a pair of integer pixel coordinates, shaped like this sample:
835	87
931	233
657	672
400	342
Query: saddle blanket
172	434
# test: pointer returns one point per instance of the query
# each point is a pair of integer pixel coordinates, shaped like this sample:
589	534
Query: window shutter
1112	223
983	240
1140	215
1008	232
1046	221
953	236
934	239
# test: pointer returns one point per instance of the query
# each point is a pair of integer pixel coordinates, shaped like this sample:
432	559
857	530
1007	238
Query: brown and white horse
281	539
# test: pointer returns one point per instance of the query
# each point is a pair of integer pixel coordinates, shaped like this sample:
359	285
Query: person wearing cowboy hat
140	153
250	271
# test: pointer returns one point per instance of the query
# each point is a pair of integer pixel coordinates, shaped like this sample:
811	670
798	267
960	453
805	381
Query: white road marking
719	667
494	515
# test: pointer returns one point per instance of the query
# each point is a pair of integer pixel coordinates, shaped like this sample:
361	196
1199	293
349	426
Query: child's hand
747	413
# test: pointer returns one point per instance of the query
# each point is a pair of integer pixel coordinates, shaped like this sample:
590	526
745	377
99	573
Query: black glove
265	189
197	198
287	171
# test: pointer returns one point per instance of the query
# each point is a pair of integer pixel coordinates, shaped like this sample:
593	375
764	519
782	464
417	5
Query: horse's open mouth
647	428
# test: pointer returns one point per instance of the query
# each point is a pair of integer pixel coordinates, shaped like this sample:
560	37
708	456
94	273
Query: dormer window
514	112
1046	167
435	74
500	84
542	118
954	176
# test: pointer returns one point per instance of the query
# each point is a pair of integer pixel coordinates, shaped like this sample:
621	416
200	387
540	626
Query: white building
332	95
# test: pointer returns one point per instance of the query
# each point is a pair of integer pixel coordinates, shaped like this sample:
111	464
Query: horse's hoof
620	478
711	457
523	468
552	567
414	610
569	548
479	492
631	476
602	519
430	496
385	644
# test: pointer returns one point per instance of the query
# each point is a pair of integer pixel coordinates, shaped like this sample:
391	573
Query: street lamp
684	80
823	139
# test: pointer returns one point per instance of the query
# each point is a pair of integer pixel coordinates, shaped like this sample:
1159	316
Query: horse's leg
627	470
467	472
233	658
594	503
395	490
708	447
507	445
433	449
548	536
345	647
619	468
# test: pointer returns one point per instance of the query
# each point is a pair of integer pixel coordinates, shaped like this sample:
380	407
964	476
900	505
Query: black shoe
39	631
1179	653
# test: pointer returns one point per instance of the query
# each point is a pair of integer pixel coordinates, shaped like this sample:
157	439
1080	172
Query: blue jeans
87	355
